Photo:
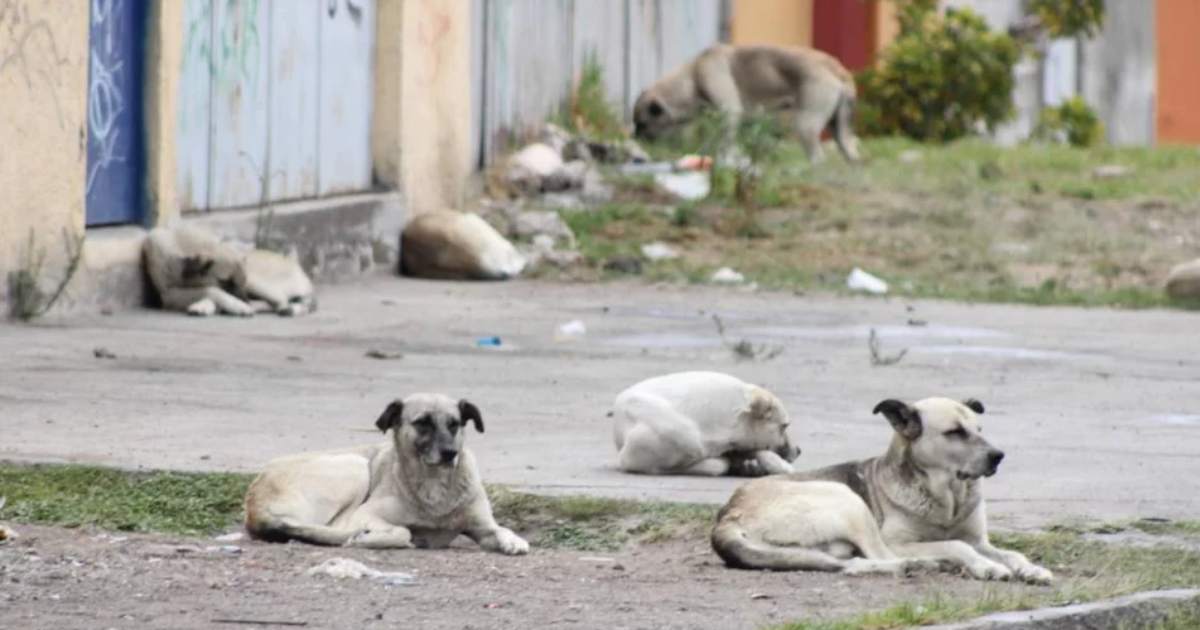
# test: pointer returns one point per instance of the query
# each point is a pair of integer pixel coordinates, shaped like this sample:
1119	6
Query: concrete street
1098	410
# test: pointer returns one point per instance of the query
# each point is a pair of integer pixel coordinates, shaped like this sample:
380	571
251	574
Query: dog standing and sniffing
418	488
918	505
811	89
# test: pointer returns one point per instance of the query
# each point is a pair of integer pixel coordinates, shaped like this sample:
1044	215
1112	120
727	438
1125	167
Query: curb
1139	610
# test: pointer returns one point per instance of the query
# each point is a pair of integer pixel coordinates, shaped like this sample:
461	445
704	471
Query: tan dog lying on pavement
808	86
452	245
701	423
196	273
920	504
418	488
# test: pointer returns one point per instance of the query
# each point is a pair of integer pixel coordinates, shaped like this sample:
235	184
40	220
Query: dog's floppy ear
468	411
974	405
905	420
391	416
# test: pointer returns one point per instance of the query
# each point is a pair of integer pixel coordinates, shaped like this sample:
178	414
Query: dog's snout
448	454
994	458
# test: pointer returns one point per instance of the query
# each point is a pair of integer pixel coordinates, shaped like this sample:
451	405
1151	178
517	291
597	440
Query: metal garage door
275	100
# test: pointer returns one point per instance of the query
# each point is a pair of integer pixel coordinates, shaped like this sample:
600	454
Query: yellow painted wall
780	22
422	121
43	147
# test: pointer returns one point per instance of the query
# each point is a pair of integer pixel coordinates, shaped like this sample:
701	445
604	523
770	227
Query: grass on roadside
207	503
152	501
1085	571
969	220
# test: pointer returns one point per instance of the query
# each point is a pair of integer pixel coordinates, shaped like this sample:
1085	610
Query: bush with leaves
1073	122
1068	18
940	78
587	110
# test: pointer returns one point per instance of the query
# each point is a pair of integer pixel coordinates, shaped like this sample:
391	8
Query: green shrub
587	110
1073	122
942	76
1068	18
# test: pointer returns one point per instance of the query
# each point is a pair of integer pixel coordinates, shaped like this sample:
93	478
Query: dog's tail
740	551
842	125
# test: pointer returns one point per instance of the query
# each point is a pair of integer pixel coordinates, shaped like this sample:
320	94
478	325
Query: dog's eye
656	110
452	427
423	424
956	433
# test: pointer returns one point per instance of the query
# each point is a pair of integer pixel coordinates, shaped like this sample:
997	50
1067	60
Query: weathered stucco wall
422	115
43	151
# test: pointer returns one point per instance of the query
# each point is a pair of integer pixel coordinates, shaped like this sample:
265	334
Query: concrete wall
421	135
1118	72
43	155
779	22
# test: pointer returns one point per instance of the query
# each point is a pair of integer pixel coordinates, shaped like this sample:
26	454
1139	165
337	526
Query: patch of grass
597	524
206	503
1153	526
74	496
588	111
1085	571
964	221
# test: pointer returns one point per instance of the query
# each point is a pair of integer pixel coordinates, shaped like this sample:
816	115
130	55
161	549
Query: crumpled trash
725	275
646	168
1111	171
231	550
488	342
570	331
694	163
659	251
345	568
689	186
859	280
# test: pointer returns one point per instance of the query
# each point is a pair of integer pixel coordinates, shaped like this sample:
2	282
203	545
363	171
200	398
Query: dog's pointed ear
974	405
468	411
391	416
905	420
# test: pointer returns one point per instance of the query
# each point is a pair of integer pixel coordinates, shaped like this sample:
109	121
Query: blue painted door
115	155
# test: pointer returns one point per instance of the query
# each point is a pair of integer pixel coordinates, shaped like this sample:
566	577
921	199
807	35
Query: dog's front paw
1033	574
510	544
202	308
988	570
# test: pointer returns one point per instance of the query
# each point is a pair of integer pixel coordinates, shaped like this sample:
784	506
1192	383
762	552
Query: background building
325	123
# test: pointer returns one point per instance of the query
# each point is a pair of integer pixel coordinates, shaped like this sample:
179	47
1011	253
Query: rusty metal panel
645	64
292	130
347	44
530	66
686	28
240	103
599	31
193	110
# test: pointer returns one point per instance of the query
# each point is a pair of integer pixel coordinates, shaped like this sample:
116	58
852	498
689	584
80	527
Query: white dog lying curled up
701	423
195	273
450	245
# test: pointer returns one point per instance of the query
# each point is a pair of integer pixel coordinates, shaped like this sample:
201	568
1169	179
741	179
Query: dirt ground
63	578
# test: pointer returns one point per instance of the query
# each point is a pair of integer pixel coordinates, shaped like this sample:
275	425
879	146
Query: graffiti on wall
28	48
105	103
229	48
